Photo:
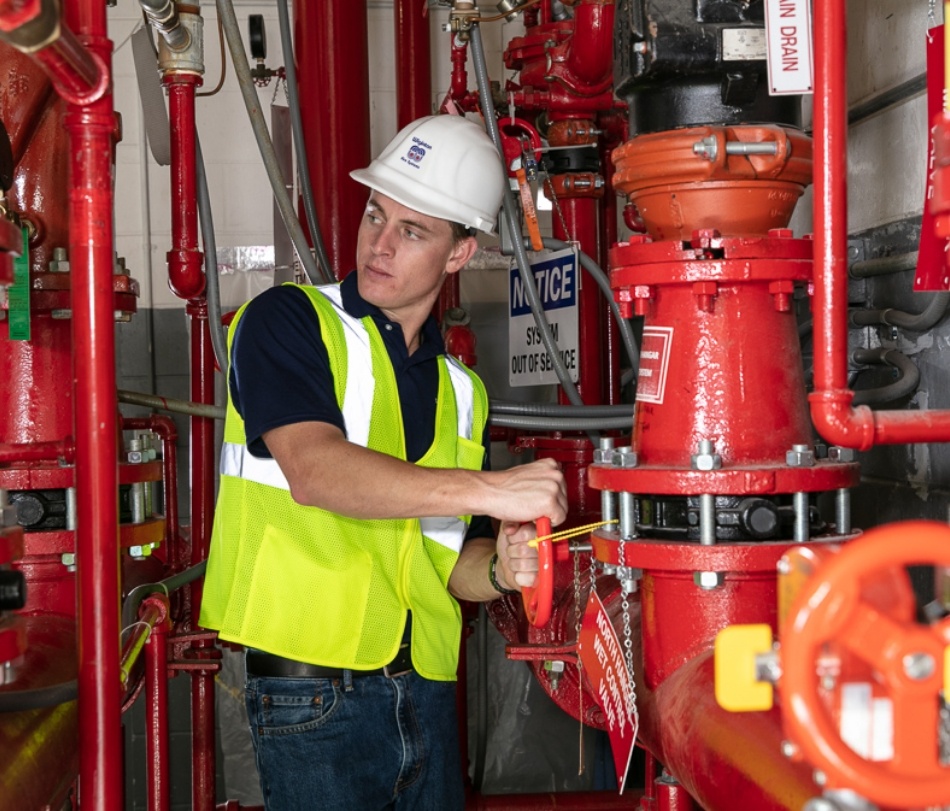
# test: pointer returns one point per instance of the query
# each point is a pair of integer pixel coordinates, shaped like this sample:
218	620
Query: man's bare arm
326	470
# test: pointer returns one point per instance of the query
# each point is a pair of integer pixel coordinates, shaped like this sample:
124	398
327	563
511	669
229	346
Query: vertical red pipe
831	194
156	708
413	68
187	281
333	74
581	221
202	506
184	259
91	129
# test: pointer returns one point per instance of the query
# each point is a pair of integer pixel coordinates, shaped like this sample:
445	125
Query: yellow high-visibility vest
310	585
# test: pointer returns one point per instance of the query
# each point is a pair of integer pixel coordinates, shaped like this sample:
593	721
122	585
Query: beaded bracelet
493	578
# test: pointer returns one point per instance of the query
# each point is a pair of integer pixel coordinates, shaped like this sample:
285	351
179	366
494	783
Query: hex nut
708	580
706	461
800	458
624	457
836	454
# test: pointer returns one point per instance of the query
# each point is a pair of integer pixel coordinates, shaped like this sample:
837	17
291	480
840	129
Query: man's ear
463	250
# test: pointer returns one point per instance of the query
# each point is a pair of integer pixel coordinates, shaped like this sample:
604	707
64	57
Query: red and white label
654	364
789	46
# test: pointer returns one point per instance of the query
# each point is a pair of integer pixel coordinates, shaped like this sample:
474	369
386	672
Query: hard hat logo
443	166
415	155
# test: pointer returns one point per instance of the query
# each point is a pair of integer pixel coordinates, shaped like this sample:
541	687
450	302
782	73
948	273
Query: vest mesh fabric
310	585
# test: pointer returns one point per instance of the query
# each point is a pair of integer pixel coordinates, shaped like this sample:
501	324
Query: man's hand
517	561
524	492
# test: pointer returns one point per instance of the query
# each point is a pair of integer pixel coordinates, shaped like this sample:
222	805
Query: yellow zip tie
564	534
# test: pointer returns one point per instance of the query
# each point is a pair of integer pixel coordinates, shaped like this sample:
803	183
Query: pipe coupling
190	57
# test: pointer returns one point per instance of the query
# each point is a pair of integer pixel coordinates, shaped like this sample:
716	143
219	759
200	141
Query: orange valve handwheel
832	614
539	597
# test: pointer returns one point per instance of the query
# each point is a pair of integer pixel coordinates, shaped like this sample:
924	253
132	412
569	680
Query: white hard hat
443	166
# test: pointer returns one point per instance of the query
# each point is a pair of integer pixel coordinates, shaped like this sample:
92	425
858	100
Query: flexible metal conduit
932	314
831	403
603	283
511	220
882	266
264	143
905	385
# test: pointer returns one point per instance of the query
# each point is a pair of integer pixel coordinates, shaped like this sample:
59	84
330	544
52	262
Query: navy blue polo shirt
280	371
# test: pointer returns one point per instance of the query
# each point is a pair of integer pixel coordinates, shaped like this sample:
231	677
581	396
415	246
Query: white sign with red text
789	46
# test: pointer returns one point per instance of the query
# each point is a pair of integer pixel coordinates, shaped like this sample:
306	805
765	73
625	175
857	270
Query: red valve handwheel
539	597
830	612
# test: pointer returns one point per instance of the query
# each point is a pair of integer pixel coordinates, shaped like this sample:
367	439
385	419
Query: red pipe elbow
839	423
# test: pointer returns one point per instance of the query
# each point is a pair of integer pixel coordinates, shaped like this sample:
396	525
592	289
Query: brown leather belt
267	665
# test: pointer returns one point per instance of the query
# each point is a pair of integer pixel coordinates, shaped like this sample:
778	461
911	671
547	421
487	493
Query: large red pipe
91	129
335	81
413	67
831	410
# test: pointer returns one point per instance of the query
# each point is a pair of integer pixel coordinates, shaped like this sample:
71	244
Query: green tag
18	295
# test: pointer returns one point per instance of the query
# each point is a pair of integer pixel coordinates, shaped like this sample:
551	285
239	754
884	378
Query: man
353	459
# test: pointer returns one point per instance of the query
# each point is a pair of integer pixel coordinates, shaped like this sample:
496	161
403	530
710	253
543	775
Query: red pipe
832	413
336	121
91	246
78	74
202	509
156	706
413	68
185	276
590	52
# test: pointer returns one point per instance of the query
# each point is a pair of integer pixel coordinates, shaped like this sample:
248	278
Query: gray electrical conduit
303	165
514	228
502	407
905	385
512	415
264	143
935	310
600	278
219	341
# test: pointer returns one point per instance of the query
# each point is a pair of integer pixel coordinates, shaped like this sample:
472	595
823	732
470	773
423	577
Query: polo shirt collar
358	307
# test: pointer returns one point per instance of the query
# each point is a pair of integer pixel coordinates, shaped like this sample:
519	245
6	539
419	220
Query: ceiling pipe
413	63
832	410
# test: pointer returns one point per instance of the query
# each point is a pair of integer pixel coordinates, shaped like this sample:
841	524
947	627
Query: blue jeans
367	743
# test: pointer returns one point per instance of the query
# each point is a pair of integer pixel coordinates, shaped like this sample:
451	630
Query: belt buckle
390	672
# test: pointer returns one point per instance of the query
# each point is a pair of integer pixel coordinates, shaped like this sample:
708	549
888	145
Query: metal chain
578	616
557	207
627	634
931	15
